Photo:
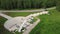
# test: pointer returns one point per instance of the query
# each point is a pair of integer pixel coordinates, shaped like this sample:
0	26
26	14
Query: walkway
5	16
33	10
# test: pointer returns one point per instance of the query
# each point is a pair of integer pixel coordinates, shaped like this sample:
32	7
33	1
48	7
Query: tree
58	5
48	3
26	4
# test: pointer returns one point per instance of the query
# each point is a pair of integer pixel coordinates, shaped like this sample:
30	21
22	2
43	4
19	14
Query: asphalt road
32	10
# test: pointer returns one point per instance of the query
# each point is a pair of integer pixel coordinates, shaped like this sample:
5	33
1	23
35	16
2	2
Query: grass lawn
14	14
50	24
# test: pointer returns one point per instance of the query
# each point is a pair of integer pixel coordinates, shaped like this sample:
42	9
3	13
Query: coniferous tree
24	4
58	5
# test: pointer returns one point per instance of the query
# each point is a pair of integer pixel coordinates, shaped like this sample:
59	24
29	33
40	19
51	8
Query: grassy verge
49	24
14	14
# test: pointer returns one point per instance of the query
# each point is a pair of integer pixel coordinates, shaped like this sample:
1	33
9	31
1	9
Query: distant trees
48	3
58	5
26	4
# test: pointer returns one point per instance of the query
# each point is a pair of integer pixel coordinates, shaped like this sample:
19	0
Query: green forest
27	4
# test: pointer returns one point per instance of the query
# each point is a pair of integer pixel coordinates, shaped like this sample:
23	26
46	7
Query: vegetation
58	5
15	14
26	4
18	32
2	29
50	24
33	20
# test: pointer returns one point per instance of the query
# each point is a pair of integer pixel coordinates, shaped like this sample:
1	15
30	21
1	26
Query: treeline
58	5
26	4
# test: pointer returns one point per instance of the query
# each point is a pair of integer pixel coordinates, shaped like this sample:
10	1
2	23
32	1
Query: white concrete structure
17	23
14	23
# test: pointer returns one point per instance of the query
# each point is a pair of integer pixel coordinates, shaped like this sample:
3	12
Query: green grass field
15	14
50	24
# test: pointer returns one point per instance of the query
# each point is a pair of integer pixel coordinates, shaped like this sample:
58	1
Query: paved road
5	16
37	10
33	10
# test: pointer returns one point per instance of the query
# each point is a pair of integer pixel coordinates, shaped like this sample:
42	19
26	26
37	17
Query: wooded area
26	4
58	5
